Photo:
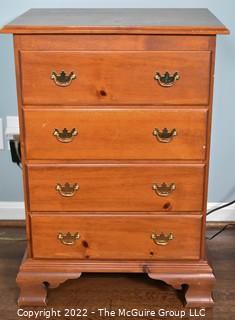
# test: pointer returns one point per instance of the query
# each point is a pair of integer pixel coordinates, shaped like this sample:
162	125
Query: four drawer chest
115	114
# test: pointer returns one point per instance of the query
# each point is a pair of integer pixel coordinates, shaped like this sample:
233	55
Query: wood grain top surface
153	21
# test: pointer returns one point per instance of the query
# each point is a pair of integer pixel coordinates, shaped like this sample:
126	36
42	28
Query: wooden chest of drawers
115	113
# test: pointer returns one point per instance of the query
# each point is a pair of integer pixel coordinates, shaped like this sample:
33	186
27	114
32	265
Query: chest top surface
152	21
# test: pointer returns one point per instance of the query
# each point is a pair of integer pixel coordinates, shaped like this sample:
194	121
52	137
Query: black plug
15	152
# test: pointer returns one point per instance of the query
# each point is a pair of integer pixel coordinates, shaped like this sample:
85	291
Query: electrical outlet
1	136
12	127
12	131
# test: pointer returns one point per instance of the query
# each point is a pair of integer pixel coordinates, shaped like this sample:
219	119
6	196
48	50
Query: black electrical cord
19	155
18	150
220	231
224	227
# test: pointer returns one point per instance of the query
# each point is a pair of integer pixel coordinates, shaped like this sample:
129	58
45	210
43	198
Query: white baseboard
12	210
15	211
225	214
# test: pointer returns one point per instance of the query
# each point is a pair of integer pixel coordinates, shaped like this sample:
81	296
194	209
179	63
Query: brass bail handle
68	238
161	239
67	190
62	79
164	135
164	189
65	136
167	79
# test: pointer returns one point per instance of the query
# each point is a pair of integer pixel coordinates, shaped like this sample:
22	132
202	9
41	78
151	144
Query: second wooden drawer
116	134
125	187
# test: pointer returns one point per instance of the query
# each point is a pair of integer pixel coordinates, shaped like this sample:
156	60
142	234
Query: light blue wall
222	173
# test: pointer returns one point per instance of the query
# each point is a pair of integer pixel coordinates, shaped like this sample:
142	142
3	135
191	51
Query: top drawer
115	77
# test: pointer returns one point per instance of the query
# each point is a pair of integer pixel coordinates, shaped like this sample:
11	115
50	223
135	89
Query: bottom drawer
116	237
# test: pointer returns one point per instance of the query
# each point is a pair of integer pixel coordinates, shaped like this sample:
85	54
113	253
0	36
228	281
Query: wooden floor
118	290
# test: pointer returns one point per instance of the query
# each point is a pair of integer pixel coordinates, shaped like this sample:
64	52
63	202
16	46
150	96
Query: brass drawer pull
167	80
62	79
164	189
165	135
65	136
67	190
68	239
161	239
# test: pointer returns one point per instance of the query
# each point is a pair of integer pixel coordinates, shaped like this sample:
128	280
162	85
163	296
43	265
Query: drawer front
115	134
116	237
115	77
116	187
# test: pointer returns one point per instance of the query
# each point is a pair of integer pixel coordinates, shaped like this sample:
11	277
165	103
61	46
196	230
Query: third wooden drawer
116	187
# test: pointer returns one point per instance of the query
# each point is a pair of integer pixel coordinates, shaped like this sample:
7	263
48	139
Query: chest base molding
37	275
